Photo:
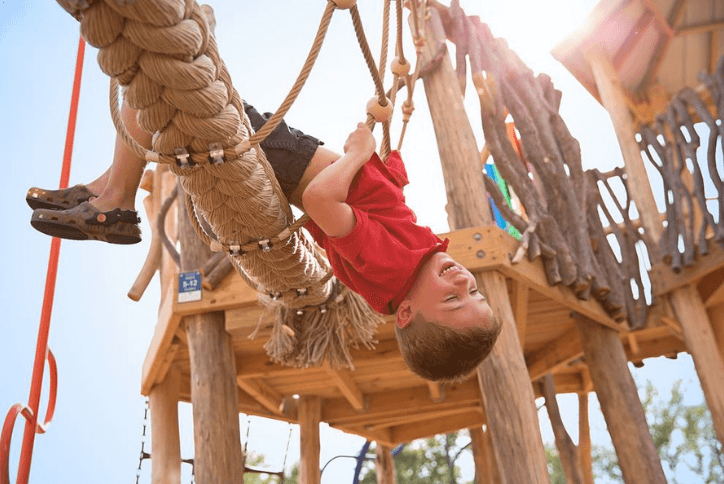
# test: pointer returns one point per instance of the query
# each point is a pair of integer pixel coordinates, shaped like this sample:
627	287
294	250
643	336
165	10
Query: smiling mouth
447	268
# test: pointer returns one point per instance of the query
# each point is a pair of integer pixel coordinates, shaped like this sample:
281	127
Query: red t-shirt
381	257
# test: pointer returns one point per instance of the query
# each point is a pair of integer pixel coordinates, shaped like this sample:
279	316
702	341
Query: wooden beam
664	280
584	438
620	404
262	393
412	431
259	365
519	301
701	344
673	327
309	418
567	450
633	343
384	465
338	411
381	436
555	355
698	28
343	379
713	49
163	333
163	401
716	297
661	21
632	38
423	416
676	13
437	392
486	469
532	274
168	360
716	316
613	98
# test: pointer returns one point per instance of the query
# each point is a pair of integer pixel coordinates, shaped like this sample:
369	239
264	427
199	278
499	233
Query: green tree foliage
555	468
429	461
683	435
257	461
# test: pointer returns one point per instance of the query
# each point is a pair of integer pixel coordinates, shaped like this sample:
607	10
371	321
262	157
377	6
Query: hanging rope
408	106
382	101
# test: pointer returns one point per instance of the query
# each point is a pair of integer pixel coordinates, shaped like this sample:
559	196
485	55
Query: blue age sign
189	286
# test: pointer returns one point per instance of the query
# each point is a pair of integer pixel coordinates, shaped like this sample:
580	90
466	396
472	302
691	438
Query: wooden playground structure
574	313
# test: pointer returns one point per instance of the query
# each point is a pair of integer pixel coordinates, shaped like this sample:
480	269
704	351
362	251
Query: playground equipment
569	308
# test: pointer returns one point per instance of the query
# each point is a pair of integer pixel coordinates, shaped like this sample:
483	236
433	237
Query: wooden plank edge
163	334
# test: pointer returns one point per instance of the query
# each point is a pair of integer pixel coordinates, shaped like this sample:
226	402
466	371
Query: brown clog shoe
58	199
85	222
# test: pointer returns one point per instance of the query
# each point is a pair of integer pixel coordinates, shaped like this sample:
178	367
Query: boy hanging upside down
443	325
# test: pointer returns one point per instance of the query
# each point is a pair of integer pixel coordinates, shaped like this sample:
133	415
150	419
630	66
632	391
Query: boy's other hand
360	142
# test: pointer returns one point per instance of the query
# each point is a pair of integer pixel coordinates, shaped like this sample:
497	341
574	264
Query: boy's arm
325	197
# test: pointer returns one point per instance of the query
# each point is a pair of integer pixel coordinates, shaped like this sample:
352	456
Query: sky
98	335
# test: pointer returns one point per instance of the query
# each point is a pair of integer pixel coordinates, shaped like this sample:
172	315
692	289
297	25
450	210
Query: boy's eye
450	298
474	290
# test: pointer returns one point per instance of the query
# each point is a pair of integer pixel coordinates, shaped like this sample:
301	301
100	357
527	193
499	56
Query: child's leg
120	183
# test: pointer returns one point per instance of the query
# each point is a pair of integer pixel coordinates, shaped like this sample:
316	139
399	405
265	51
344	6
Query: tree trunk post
384	465
165	439
614	101
686	301
503	376
620	404
702	345
716	315
486	471
567	450
217	443
310	414
584	438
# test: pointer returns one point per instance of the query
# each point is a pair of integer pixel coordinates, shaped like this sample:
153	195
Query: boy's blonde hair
439	353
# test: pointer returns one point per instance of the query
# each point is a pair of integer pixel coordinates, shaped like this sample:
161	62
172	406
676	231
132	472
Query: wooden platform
381	399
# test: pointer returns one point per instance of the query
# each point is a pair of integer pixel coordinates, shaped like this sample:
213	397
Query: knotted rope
166	57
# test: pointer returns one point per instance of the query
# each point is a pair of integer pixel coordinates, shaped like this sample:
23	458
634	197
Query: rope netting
164	54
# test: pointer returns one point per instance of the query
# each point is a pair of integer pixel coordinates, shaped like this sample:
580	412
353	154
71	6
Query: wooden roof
657	47
381	399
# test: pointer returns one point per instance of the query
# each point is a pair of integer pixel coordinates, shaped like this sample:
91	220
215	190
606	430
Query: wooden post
217	443
613	99
165	441
716	316
384	465
567	450
702	345
620	404
686	302
486	470
503	376
584	438
310	414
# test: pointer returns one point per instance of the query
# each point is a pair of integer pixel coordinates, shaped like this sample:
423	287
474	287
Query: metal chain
144	454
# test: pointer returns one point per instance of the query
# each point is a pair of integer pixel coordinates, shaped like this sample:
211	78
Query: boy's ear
404	314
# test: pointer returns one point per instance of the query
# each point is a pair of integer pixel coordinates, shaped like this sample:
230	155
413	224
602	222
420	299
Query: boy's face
446	292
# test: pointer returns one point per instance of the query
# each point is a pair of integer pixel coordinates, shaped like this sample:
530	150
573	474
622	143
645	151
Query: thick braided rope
162	52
